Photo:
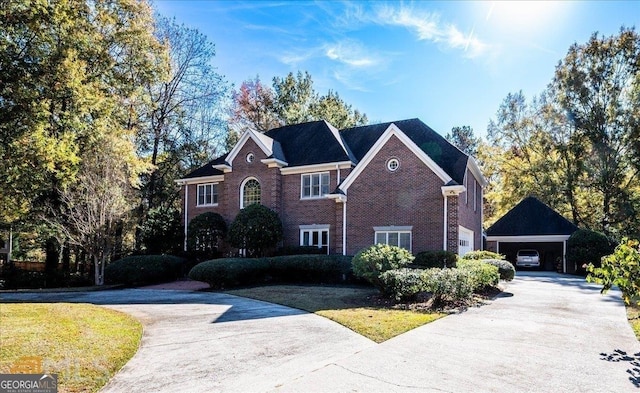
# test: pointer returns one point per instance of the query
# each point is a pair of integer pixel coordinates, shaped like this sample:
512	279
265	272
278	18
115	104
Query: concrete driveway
547	333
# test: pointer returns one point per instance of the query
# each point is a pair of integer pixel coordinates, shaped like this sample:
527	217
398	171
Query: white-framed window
207	194
315	235
250	157
314	185
394	236
250	192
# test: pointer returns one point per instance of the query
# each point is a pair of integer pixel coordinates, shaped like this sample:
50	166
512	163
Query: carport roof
531	217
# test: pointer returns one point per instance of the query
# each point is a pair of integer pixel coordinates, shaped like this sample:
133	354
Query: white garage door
465	240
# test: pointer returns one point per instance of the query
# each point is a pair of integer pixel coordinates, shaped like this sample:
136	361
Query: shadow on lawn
619	355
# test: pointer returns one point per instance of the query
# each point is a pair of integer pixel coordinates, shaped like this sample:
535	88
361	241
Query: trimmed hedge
403	284
430	259
444	285
300	250
232	272
144	269
371	262
483	275
483	254
505	268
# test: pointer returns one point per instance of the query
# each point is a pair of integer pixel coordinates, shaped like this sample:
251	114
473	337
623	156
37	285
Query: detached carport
533	225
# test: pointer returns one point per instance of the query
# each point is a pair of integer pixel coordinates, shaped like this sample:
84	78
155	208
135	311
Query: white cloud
428	27
352	54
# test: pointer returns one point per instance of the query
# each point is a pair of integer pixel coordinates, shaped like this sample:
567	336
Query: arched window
249	192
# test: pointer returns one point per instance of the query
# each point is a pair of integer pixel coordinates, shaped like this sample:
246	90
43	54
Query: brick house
398	183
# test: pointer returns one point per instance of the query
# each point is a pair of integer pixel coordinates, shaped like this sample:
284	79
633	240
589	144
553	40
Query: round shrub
370	262
585	246
255	229
430	259
204	234
483	254
403	284
144	269
482	274
505	268
448	285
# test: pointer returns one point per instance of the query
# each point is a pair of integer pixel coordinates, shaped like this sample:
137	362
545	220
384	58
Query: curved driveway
546	333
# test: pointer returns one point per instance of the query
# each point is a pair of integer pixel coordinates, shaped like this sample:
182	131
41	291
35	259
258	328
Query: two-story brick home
399	183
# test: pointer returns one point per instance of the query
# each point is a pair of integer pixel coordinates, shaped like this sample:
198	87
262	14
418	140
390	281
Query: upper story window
207	194
315	185
250	157
250	192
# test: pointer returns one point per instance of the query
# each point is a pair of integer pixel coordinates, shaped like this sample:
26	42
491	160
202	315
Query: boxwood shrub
144	269
482	274
233	272
403	284
482	254
505	268
371	262
430	259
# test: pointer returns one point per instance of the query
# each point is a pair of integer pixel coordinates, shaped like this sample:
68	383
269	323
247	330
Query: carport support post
564	256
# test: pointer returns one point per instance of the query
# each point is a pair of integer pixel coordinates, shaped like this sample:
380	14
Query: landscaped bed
82	343
361	309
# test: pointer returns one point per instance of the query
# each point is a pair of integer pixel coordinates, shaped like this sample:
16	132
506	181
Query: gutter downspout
344	228
444	245
186	199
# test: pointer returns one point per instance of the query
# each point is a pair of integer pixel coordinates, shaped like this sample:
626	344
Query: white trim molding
264	143
393	228
528	239
452	190
274	163
330	166
339	198
391	131
477	173
310	227
198	180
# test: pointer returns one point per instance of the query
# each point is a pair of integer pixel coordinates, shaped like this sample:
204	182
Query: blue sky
447	63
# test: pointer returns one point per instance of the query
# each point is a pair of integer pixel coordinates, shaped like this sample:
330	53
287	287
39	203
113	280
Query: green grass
633	314
82	343
359	309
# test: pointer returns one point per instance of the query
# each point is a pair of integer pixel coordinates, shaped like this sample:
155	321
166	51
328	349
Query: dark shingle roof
531	217
443	153
207	169
317	143
308	143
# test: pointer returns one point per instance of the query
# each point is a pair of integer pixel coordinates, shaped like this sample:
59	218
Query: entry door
465	240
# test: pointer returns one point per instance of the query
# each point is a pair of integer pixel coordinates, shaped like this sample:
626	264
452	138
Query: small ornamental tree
256	229
205	232
622	268
587	247
371	262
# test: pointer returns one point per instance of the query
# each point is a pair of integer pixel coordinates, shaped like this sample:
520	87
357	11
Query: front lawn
359	309
82	343
633	314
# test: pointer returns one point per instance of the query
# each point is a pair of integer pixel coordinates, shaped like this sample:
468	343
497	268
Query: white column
444	243
186	214
344	228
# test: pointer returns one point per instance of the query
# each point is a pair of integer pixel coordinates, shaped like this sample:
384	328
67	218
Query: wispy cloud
351	53
427	26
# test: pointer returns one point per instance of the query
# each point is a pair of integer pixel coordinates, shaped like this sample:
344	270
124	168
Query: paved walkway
547	333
